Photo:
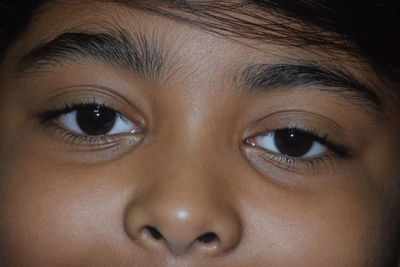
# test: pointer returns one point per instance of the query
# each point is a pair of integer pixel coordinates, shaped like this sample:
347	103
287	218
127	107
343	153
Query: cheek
52	212
57	213
339	227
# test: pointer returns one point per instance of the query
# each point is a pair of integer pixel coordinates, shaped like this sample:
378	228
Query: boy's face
177	146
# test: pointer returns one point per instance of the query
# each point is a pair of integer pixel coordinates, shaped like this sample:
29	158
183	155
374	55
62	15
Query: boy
199	133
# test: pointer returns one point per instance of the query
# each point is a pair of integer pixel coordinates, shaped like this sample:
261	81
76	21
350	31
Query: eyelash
339	152
67	136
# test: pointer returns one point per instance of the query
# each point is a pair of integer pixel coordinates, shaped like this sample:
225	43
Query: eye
92	119
291	142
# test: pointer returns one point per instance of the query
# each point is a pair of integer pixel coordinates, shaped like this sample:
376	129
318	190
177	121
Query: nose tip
183	230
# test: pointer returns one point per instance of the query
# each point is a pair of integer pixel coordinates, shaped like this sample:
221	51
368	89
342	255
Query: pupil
293	143
96	120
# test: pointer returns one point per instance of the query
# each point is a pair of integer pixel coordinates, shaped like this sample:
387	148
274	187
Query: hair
365	29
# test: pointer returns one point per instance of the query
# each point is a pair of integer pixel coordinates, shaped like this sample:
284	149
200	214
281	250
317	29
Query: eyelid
277	166
267	141
320	126
67	100
323	130
324	140
87	143
91	149
83	95
68	119
68	108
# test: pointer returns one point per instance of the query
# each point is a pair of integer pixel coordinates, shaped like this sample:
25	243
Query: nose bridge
185	208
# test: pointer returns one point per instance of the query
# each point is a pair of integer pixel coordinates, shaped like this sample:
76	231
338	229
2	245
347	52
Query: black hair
14	17
366	28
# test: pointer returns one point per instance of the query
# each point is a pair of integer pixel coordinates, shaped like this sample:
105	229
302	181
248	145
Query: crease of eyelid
92	95
257	78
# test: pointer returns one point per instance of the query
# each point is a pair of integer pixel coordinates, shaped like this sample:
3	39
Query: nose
184	212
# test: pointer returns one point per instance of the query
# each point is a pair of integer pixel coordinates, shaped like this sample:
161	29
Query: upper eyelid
54	113
69	100
312	122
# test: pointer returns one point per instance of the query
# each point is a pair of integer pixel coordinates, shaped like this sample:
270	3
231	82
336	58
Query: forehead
181	37
61	16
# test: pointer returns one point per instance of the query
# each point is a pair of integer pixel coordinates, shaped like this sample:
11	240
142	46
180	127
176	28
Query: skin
190	171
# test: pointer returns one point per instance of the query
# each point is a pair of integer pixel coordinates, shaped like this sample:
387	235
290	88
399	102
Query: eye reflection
95	120
290	142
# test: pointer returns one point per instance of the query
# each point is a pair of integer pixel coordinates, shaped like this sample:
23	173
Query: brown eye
290	142
293	143
94	120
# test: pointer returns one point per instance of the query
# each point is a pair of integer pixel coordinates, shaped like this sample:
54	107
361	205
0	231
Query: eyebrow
265	77
135	52
149	59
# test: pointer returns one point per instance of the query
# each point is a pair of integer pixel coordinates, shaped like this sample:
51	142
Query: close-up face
130	138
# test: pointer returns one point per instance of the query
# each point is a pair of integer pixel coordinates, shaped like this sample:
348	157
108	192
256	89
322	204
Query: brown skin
190	172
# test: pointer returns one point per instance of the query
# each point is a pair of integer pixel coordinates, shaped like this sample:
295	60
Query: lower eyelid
77	142
265	160
69	137
83	149
326	158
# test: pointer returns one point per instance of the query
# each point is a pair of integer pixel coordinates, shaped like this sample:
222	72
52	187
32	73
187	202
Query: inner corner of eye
250	141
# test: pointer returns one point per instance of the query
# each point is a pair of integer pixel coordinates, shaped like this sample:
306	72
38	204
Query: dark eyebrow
135	52
261	77
149	59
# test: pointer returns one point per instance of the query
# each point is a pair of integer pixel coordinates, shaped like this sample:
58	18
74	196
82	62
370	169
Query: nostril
207	238
154	232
